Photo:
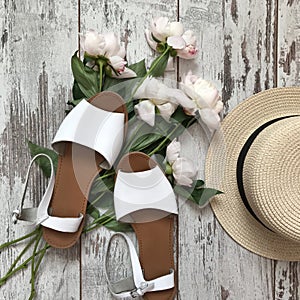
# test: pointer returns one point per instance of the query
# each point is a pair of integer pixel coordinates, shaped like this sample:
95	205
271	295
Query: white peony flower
205	98
158	95
97	45
183	169
172	33
162	28
92	43
118	64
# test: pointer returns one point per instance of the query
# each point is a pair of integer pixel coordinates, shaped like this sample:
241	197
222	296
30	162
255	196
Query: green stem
43	251
100	64
96	221
98	198
20	255
19	239
165	139
22	266
127	146
32	280
149	71
99	224
107	175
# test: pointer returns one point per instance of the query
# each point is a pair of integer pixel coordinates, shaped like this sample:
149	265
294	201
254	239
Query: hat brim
221	168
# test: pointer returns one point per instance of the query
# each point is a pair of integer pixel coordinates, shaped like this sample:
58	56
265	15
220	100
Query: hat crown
271	177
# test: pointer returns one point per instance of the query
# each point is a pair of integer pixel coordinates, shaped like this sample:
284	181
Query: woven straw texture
220	170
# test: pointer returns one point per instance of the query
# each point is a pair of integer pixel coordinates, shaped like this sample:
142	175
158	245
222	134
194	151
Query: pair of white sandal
92	134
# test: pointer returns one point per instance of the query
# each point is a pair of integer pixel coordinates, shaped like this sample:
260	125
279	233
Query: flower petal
176	29
176	42
112	46
189	37
160	28
184	171
93	43
189	52
127	73
150	40
183	180
185	101
173	151
146	111
210	118
166	110
170	65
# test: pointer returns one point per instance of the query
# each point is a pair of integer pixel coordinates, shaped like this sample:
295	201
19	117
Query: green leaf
139	68
159	65
104	202
201	196
161	47
145	141
92	211
182	192
155	39
179	116
43	162
86	78
73	103
122	87
76	91
118	226
199	184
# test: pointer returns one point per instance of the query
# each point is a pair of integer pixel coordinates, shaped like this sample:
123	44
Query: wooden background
245	47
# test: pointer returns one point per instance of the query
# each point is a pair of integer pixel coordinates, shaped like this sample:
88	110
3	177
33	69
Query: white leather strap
144	192
136	286
98	129
40	214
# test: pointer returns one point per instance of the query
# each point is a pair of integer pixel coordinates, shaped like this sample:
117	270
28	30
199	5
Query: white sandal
144	197
39	215
136	286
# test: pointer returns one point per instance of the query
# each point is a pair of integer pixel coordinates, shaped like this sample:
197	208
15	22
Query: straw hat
255	160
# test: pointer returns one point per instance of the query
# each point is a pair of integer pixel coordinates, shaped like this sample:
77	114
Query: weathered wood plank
128	19
35	81
289	43
235	42
288	67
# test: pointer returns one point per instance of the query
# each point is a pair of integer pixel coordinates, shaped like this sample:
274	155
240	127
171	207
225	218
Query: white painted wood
239	52
37	40
128	19
289	43
288	74
235	52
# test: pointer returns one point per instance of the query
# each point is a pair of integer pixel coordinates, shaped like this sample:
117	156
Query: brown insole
155	238
76	171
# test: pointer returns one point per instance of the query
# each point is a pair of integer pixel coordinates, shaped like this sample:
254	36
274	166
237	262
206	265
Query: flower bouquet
158	114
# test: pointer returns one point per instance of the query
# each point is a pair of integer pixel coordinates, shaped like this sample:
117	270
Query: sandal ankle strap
39	215
136	286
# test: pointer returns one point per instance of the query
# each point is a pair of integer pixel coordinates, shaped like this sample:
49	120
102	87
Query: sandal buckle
16	216
142	289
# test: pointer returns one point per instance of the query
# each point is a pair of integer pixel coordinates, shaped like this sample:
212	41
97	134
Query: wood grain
35	81
236	53
128	20
288	70
244	47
